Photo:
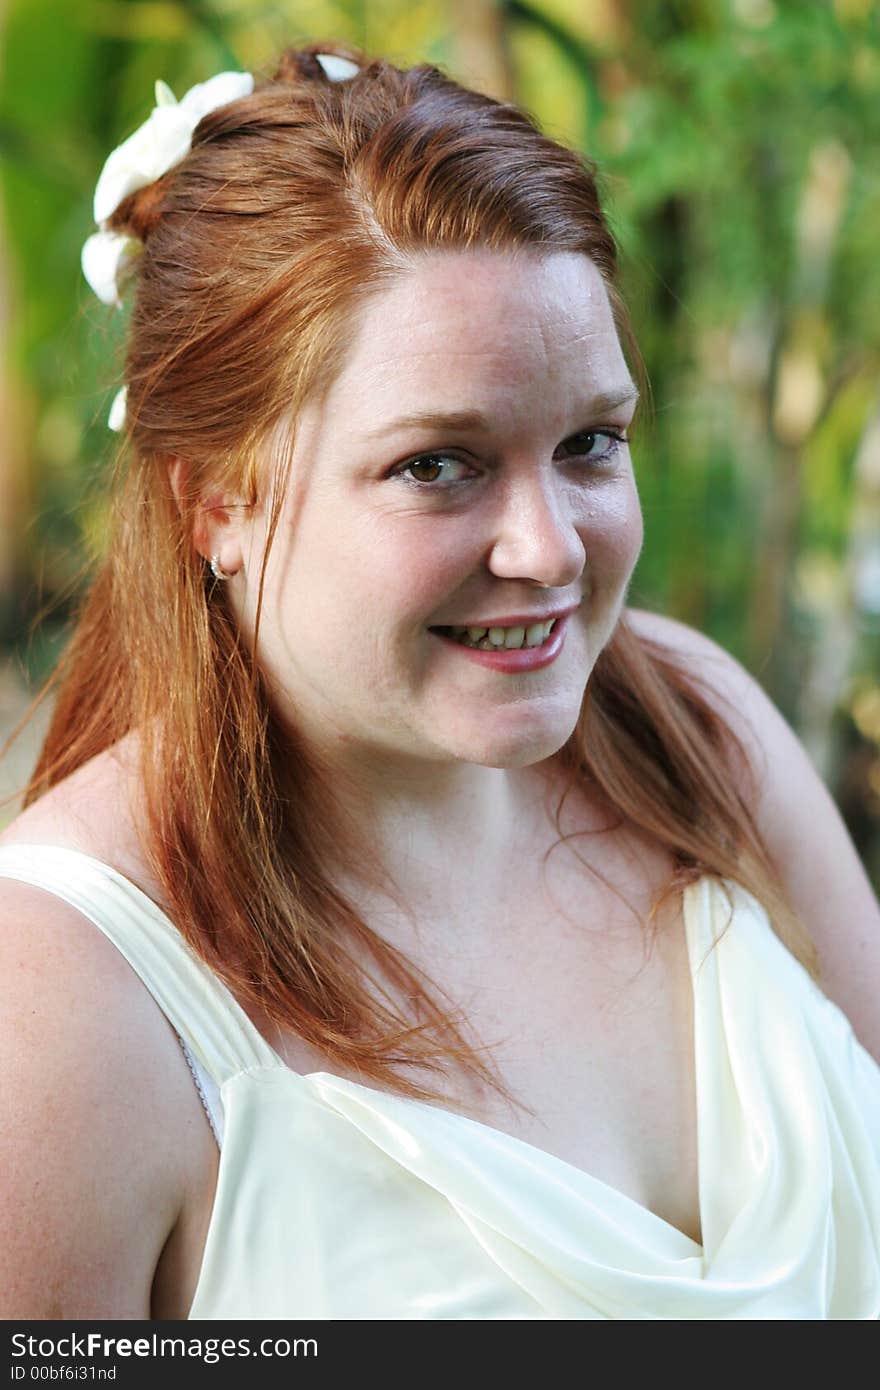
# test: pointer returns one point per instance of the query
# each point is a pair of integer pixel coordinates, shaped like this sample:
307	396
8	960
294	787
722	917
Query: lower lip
520	659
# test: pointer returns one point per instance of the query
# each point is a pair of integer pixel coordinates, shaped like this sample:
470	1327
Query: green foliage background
738	144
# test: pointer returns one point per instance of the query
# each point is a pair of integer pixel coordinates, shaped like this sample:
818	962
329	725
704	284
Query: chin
513	750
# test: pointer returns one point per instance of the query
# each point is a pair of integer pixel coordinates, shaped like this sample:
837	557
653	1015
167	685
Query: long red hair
293	204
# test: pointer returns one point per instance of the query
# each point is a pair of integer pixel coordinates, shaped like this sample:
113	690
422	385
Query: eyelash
436	486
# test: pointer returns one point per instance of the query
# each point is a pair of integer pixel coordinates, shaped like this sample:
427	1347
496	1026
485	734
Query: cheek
364	580
613	529
407	564
634	527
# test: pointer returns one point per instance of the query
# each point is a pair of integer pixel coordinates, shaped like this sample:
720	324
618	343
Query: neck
450	835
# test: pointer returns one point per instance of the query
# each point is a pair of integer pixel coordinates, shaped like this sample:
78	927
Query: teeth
508	638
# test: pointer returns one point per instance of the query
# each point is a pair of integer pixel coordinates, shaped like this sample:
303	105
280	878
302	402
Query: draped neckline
326	1084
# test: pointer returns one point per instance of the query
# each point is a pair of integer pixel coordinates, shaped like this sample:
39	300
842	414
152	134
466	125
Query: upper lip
514	619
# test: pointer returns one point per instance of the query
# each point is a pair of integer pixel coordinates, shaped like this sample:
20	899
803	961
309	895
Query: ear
216	523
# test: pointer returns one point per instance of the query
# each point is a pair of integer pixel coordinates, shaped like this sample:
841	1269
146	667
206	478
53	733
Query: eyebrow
474	420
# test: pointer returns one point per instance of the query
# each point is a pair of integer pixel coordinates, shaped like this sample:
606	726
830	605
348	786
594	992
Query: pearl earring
217	570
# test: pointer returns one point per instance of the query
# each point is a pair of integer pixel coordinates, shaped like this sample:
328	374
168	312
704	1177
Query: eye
429	469
436	471
589	438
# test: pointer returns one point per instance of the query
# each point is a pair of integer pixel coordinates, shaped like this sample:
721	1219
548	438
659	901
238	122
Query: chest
588	1015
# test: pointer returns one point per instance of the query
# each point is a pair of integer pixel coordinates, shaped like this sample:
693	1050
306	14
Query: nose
536	535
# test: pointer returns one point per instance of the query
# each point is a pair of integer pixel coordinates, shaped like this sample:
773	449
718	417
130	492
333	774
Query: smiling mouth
493	639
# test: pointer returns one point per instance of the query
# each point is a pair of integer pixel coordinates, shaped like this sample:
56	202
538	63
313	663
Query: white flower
116	418
106	257
337	69
164	139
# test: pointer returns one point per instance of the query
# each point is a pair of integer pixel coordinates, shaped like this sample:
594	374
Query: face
517	505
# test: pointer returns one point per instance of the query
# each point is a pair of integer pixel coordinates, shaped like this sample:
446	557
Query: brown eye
422	467
584	445
431	468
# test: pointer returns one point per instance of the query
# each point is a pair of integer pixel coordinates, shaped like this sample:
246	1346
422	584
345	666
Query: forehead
480	323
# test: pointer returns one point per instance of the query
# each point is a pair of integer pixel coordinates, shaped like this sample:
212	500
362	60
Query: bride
400	924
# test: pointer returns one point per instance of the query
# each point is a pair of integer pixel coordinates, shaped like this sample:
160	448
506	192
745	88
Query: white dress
337	1200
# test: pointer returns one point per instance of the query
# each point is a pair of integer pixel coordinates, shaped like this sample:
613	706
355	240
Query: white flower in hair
337	69
106	257
116	418
164	139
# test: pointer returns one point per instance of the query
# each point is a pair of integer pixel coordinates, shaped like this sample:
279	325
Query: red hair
294	204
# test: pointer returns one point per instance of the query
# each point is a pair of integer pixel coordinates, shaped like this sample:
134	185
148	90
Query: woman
475	917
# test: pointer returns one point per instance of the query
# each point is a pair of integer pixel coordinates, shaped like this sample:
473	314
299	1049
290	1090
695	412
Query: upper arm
801	827
90	1179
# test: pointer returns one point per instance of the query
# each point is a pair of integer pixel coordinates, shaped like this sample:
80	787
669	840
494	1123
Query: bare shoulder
104	1145
89	1124
701	654
801	826
97	810
661	628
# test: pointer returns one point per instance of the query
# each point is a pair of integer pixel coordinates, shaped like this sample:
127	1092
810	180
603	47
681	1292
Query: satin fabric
337	1200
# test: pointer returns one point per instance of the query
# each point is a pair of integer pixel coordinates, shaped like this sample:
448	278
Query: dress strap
196	1002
